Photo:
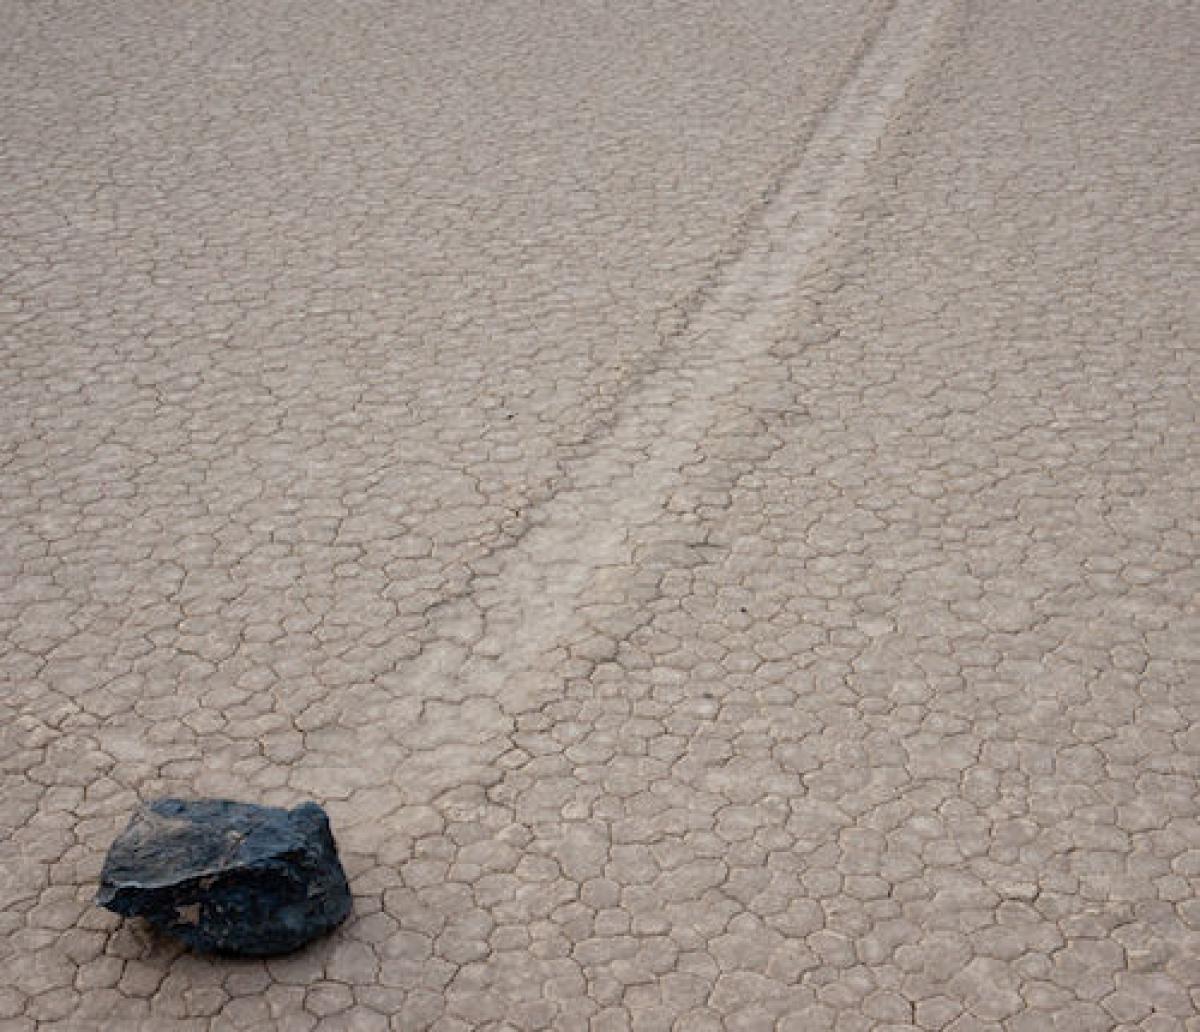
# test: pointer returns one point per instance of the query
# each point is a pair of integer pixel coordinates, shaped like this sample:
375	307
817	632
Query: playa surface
705	495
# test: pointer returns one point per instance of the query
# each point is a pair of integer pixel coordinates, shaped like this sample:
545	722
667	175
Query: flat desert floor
706	494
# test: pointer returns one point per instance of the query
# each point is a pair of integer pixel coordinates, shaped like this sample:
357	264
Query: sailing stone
228	877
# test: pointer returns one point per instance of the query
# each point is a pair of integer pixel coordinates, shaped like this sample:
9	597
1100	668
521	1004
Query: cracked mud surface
706	498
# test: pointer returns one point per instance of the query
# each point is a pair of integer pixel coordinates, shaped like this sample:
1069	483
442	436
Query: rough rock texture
226	876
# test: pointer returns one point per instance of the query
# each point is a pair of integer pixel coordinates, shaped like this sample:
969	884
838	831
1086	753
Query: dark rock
228	877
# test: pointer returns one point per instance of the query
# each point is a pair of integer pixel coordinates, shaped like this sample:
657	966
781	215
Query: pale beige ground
706	494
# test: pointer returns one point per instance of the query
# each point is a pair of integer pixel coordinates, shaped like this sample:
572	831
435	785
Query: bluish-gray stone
228	877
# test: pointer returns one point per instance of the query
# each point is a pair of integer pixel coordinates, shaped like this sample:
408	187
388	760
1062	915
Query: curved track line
613	496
